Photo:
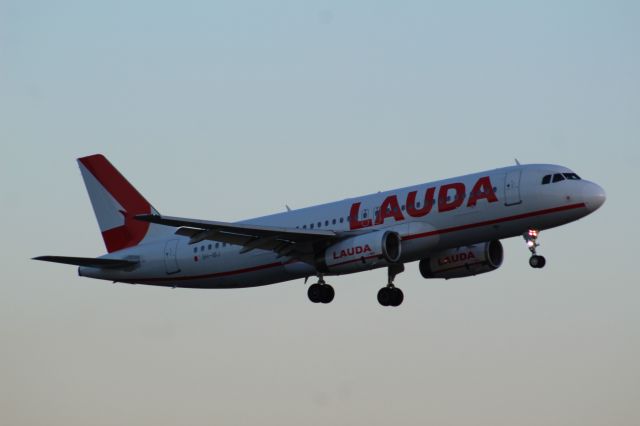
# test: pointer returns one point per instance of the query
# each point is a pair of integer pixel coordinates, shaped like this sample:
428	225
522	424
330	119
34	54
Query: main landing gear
531	237
321	292
391	295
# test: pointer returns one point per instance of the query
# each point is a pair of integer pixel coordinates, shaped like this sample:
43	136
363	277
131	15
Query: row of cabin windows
365	212
326	223
209	247
557	177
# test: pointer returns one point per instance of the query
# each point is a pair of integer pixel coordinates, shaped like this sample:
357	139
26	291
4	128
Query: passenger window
311	226
195	249
304	226
340	220
201	248
319	224
333	221
210	246
326	223
546	179
217	245
557	177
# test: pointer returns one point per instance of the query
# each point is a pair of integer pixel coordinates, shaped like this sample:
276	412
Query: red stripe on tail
133	231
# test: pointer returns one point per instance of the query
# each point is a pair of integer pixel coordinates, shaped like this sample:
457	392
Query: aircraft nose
593	196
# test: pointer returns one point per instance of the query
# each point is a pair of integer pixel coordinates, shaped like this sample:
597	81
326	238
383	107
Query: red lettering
354	223
351	251
482	189
455	201
389	208
458	257
426	208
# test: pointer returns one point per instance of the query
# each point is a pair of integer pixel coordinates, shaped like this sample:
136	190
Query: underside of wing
284	241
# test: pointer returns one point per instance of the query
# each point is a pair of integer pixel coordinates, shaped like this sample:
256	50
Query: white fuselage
517	201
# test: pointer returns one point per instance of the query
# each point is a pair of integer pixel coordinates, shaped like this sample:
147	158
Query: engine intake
463	261
362	252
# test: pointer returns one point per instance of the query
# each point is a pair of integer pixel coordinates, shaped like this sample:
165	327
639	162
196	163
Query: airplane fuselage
429	218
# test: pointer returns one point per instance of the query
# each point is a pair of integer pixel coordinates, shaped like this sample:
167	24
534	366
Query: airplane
452	227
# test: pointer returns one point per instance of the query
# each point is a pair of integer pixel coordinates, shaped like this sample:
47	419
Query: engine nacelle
463	261
362	252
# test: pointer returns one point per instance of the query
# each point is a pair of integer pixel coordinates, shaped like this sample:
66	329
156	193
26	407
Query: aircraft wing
284	241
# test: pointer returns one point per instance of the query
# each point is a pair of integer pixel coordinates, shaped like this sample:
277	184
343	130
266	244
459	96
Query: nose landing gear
391	295
531	237
321	292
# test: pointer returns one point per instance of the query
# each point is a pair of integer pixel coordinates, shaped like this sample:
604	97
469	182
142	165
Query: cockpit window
571	176
557	177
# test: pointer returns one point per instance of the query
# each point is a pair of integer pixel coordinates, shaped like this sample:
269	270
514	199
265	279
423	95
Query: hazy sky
228	110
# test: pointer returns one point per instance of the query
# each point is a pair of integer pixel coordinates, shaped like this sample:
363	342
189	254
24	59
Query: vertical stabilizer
116	203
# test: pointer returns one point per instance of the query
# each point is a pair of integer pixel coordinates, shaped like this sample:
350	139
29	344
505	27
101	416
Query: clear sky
229	110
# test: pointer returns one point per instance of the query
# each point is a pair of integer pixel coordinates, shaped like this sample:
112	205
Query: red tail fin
115	202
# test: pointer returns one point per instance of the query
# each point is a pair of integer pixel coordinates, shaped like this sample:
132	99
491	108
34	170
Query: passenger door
512	187
171	257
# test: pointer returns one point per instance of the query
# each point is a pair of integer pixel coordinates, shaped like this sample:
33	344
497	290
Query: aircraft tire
397	296
314	293
327	293
537	262
384	296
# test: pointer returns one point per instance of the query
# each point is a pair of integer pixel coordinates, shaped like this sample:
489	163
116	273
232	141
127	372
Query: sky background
229	110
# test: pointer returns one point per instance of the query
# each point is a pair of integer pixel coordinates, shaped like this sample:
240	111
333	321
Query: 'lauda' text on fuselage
352	251
450	197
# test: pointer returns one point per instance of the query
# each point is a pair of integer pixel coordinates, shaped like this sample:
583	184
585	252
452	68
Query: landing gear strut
391	295
321	292
531	237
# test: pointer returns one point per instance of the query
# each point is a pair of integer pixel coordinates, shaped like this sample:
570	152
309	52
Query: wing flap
293	242
241	229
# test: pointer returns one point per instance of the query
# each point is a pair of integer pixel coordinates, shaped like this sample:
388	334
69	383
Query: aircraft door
512	187
171	257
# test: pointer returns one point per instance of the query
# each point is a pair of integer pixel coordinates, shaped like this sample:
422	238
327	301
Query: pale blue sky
228	110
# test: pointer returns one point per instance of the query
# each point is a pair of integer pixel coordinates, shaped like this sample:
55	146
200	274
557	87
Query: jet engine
463	261
361	253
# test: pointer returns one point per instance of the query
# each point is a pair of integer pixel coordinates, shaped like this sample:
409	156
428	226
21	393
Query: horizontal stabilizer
89	261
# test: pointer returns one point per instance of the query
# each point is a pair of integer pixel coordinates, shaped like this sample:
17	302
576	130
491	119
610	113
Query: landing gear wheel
531	237
396	296
537	261
314	293
390	296
321	293
326	293
384	296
